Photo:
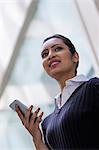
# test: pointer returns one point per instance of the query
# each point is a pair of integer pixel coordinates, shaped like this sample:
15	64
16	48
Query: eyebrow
51	47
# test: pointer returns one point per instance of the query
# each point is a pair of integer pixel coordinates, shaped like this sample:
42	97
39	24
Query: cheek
45	66
68	60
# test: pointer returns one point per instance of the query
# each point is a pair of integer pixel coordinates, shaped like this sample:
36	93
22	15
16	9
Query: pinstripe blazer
76	124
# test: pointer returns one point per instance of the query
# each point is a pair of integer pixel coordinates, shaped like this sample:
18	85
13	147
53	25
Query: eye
58	49
44	55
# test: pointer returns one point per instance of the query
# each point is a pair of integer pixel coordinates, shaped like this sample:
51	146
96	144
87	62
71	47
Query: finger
20	114
27	117
34	117
39	119
28	114
37	122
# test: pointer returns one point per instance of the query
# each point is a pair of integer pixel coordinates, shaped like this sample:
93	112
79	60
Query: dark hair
67	42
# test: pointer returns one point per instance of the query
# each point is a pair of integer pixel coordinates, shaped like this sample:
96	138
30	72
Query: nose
51	55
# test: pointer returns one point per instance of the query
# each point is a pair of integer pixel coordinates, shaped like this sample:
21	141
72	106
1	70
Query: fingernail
38	108
41	115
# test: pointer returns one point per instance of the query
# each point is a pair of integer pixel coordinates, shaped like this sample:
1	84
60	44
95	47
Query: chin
55	74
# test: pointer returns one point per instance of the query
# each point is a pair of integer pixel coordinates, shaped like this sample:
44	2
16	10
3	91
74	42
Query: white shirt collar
71	85
78	78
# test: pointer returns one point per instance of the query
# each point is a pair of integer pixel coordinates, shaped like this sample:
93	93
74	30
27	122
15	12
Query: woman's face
57	59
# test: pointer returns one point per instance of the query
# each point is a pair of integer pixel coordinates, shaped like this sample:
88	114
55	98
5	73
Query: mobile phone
22	107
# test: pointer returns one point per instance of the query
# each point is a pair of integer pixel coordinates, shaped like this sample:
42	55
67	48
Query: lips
54	62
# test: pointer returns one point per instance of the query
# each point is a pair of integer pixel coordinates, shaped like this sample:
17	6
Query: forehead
53	41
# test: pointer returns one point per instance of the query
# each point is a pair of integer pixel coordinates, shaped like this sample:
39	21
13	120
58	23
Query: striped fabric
76	124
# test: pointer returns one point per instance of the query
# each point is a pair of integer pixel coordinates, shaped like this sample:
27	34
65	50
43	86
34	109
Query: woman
74	122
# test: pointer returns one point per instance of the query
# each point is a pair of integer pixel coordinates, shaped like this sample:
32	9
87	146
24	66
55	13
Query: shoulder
93	82
94	85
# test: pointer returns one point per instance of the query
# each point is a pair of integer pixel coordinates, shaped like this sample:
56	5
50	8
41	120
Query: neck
63	79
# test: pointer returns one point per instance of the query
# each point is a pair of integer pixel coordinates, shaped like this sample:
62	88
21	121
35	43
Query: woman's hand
31	122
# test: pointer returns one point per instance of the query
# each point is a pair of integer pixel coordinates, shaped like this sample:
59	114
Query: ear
75	57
